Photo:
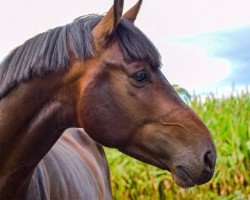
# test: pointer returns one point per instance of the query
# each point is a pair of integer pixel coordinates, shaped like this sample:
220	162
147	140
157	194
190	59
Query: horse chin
180	177
183	182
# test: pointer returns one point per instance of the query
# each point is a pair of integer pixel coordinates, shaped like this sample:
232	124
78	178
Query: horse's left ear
105	29
133	12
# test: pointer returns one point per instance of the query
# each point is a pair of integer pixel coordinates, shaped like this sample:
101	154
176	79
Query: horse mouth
182	178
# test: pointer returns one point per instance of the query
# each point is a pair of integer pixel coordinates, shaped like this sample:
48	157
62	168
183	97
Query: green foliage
228	119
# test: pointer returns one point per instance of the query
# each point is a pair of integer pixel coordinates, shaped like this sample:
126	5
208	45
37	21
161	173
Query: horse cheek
102	116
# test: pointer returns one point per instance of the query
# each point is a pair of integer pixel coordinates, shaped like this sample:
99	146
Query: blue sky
231	45
204	44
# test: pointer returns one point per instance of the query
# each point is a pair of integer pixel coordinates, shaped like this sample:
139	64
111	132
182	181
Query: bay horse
102	74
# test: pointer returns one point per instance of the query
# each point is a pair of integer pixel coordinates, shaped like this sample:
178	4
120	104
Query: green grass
228	119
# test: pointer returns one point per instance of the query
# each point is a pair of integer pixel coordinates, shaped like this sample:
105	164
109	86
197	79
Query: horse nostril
209	161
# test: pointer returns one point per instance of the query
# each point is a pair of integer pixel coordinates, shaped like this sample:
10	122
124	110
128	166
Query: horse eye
140	76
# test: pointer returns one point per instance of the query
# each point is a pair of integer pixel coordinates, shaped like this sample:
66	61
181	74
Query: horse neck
33	117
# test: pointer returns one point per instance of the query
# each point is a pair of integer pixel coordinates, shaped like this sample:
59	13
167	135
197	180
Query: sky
204	44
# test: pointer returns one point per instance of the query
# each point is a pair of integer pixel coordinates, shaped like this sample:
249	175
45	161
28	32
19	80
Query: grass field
228	119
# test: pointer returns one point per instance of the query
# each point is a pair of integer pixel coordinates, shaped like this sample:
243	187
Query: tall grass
228	119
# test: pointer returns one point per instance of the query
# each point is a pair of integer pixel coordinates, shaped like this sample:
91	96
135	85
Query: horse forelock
49	51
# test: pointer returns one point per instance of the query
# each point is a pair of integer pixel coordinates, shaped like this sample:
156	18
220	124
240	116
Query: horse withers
100	73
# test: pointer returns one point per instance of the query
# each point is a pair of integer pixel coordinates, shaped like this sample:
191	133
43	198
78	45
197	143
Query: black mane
48	51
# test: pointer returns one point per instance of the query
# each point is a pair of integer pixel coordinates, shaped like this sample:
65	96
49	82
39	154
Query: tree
183	93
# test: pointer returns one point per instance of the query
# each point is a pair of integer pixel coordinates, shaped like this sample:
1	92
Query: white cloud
191	67
21	20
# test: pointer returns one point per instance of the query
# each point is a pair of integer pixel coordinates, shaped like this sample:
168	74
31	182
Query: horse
76	88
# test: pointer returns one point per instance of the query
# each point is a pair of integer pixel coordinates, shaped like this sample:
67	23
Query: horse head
125	102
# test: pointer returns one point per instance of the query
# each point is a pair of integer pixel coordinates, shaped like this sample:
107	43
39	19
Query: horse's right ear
105	29
133	12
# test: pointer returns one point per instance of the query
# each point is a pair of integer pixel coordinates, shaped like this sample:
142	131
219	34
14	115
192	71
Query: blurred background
205	48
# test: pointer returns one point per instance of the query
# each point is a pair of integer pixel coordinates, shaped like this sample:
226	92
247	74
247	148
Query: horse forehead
113	52
94	68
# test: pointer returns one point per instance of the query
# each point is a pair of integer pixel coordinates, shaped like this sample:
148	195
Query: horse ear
104	30
133	12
